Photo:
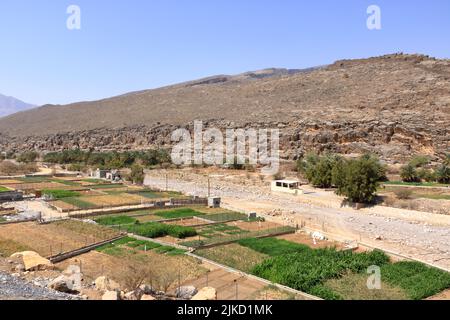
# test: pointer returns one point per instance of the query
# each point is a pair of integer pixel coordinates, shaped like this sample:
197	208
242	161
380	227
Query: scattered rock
105	284
147	297
19	268
133	295
146	289
111	295
32	261
206	293
186	292
62	284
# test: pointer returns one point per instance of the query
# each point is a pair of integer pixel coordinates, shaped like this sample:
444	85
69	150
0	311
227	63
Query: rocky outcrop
394	106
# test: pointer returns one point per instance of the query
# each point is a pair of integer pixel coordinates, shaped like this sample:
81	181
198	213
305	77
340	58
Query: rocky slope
394	105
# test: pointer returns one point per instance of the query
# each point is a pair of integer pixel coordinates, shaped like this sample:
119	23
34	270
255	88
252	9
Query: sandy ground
419	235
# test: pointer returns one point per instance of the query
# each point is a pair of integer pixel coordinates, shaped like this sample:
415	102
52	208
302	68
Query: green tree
409	173
137	174
419	161
27	157
360	179
443	174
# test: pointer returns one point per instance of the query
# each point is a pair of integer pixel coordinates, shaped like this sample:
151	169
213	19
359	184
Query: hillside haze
10	105
394	105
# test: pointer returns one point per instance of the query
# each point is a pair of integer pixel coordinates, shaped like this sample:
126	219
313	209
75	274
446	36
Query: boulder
206	293
19	268
33	261
146	289
64	284
111	295
105	284
147	297
133	295
186	292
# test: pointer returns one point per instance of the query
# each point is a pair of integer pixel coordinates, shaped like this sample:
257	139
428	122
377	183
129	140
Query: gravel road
14	288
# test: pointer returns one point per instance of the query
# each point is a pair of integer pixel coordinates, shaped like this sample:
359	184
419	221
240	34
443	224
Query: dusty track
415	234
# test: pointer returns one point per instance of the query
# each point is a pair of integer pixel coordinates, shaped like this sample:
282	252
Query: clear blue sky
135	44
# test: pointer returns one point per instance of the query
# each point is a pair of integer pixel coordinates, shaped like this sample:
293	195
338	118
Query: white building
286	186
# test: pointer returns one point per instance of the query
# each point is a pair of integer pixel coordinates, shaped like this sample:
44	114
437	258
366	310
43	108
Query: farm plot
54	238
127	263
218	234
4	189
99	201
43	186
333	274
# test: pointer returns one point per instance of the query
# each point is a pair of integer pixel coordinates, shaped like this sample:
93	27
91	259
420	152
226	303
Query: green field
106	186
226	216
3	189
417	184
178	213
115	220
157	230
80	204
332	274
236	235
119	247
60	194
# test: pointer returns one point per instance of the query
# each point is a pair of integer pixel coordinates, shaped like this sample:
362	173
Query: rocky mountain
10	105
394	105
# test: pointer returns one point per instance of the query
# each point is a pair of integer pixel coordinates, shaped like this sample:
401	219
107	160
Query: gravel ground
14	288
418	235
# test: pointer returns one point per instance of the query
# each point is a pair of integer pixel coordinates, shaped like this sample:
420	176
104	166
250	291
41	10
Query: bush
319	170
403	194
419	161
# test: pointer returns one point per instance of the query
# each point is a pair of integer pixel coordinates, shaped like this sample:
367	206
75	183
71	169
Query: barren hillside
395	105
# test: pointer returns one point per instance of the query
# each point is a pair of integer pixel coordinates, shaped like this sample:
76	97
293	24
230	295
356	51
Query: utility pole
209	187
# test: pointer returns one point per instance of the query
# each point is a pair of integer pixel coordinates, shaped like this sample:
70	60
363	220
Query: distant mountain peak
10	105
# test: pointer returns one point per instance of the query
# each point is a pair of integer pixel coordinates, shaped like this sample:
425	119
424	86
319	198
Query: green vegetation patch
157	230
107	186
226	216
80	204
115	220
60	194
178	213
417	184
309	268
418	280
3	189
354	287
273	247
34	179
118	248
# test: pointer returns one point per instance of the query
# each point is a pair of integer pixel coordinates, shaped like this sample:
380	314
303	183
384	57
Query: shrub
419	161
403	194
27	157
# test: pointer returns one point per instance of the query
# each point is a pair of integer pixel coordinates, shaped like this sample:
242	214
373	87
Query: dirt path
415	234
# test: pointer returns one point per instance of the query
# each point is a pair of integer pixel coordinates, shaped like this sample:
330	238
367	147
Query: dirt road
418	235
